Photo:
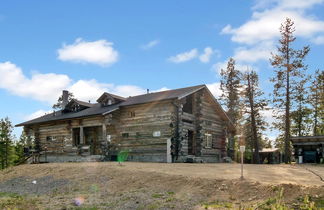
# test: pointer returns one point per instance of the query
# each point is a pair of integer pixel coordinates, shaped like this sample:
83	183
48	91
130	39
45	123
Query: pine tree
254	103
289	67
316	99
58	104
301	115
6	143
19	147
230	87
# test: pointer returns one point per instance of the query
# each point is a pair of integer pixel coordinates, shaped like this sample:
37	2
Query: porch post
81	135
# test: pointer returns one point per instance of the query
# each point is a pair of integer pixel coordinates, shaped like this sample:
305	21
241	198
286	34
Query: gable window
209	140
187	107
109	102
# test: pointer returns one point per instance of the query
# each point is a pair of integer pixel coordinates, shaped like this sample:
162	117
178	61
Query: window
50	138
109	101
187	107
125	135
208	123
131	114
209	140
138	134
156	133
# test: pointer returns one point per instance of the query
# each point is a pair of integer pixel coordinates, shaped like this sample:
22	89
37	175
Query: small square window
125	135
156	133
138	134
131	114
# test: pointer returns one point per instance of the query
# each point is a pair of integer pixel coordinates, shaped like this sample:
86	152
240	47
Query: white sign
108	138
242	148
157	133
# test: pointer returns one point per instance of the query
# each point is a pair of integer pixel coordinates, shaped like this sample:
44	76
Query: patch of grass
153	206
15	201
157	195
319	203
6	194
86	208
169	199
218	204
170	193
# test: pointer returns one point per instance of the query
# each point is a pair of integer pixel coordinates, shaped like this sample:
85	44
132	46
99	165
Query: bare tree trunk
287	116
256	156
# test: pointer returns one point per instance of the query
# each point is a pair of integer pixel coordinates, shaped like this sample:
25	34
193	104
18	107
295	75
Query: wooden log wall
133	129
211	123
204	120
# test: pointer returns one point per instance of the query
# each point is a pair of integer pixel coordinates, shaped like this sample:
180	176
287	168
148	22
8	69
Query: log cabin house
180	125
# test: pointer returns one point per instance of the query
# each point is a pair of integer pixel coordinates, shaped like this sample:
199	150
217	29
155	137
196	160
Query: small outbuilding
308	149
270	155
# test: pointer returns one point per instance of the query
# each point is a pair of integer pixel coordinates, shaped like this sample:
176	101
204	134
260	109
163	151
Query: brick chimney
65	97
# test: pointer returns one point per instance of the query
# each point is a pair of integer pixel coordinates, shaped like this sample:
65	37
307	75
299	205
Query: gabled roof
163	95
105	94
82	103
97	109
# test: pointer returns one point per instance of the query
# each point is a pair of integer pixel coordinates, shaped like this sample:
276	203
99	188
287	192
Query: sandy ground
108	185
267	174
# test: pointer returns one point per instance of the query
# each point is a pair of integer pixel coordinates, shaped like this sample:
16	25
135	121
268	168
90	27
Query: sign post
242	150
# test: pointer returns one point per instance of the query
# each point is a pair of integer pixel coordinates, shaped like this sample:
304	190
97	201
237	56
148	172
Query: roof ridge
170	90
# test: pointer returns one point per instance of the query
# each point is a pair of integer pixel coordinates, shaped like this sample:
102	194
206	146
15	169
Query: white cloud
48	87
184	57
100	52
318	40
215	89
208	51
161	89
42	87
255	53
151	44
37	114
263	25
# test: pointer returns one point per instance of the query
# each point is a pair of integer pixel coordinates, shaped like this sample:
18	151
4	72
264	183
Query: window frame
209	140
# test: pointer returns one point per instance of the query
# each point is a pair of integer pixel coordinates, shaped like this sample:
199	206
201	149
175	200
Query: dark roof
82	103
112	95
298	139
163	95
97	109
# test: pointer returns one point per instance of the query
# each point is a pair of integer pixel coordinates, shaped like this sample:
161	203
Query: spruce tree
289	66
6	143
230	87
316	99
301	121
254	103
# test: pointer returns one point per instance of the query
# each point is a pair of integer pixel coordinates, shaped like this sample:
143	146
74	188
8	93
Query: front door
191	143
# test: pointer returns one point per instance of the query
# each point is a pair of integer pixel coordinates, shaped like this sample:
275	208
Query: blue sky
125	47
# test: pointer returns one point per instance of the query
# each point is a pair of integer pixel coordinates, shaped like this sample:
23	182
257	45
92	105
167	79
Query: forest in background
297	102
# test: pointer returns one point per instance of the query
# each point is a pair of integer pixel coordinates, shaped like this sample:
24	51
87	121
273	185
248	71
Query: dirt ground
108	185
